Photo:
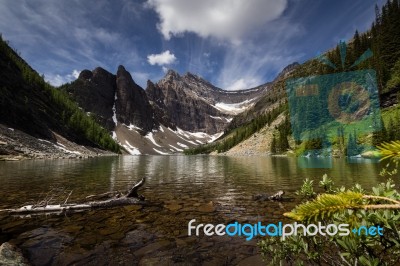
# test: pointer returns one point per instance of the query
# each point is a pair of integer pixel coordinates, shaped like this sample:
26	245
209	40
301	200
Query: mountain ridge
32	106
182	103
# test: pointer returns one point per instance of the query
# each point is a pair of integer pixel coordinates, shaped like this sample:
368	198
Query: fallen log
133	193
132	197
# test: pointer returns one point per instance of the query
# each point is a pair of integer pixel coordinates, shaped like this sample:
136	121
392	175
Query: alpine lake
210	189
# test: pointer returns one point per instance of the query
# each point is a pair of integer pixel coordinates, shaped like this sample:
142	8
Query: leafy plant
379	207
391	151
326	183
306	190
356	207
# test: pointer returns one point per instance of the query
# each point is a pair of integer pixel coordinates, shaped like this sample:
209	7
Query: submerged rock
11	255
262	197
208	207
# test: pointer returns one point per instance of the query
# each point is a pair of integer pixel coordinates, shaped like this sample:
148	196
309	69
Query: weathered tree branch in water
132	197
133	192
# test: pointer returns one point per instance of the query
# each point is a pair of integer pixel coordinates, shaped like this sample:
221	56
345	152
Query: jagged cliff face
173	114
113	98
195	105
185	109
132	105
94	92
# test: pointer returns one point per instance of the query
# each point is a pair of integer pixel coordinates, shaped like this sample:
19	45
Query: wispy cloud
245	65
254	34
57	37
234	44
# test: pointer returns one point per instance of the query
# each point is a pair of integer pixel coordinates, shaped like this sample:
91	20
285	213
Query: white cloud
254	34
242	84
246	64
164	58
57	37
58	80
75	73
223	19
165	69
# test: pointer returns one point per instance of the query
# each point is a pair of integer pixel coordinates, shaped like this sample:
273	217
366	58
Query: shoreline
16	145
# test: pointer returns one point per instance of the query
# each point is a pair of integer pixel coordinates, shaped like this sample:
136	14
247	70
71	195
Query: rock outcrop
132	105
162	118
111	98
11	255
193	104
184	108
94	92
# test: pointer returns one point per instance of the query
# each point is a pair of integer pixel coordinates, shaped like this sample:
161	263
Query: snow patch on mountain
114	109
215	137
182	145
151	138
132	150
234	108
160	152
177	149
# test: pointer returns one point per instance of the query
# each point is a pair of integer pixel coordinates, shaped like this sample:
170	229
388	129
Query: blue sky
232	43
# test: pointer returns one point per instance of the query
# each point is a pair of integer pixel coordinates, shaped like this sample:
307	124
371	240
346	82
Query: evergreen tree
379	136
283	141
357	42
352	146
273	145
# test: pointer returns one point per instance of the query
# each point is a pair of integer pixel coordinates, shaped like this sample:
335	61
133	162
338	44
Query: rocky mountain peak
193	78
99	71
94	92
171	75
109	97
121	69
132	105
287	70
85	74
123	74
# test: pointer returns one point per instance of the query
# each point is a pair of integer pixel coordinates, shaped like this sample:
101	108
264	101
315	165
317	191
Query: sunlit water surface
210	189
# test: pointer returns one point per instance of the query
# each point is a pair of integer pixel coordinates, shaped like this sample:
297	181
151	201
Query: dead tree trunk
132	197
133	193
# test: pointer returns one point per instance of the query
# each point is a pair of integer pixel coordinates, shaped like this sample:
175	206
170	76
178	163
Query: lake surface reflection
210	189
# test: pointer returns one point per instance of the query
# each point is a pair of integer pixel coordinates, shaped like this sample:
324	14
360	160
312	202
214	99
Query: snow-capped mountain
196	105
174	114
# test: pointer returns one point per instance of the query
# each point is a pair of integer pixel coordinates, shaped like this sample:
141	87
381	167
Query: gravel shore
16	145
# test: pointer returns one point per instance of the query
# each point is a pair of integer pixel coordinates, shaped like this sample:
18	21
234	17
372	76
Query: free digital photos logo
334	105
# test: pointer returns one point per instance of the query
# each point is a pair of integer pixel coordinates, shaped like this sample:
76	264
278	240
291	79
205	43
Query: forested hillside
30	104
377	49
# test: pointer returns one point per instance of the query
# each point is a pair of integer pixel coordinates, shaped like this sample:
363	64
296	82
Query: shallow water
210	189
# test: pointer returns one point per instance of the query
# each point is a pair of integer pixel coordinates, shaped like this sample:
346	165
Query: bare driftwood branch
133	192
106	195
66	200
131	197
